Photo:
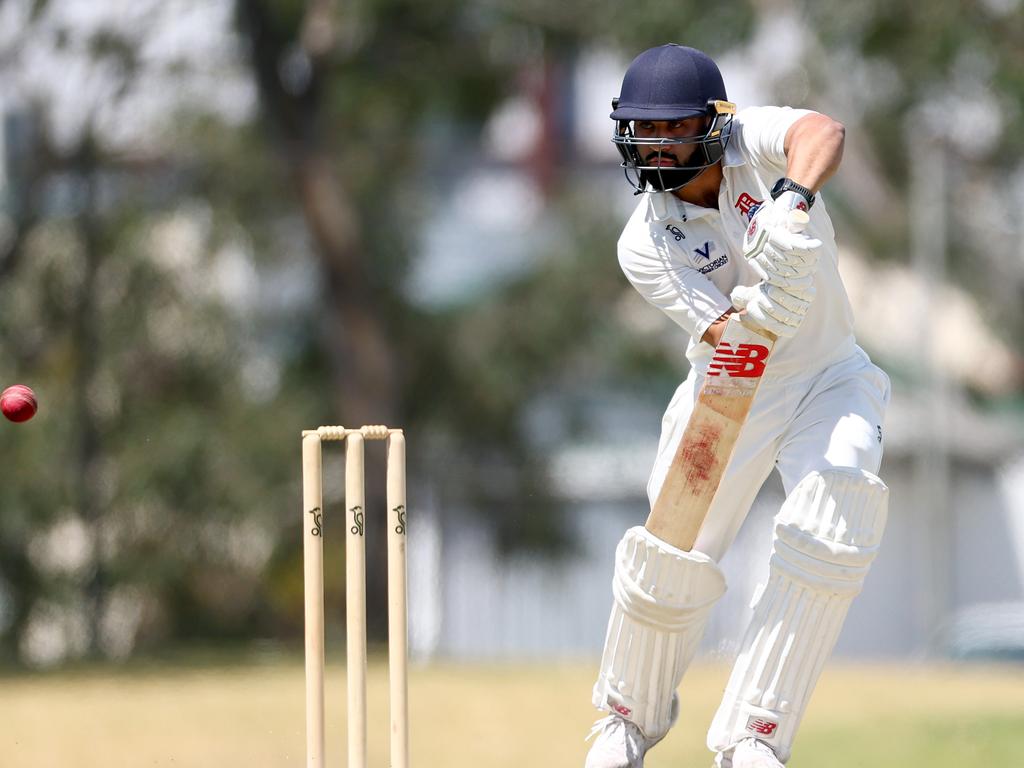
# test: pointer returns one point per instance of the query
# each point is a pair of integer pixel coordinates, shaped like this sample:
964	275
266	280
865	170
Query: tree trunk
354	338
86	345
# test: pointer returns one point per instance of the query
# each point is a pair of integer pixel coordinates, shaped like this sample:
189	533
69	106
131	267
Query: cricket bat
718	416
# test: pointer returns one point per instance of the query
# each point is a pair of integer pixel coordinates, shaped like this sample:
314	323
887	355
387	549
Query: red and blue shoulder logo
747	205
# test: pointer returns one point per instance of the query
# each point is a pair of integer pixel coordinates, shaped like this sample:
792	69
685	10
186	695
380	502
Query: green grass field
250	714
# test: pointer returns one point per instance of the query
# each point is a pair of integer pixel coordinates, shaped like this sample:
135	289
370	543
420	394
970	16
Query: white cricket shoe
619	744
749	753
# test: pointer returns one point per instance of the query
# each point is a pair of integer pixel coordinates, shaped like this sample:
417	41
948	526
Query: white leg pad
826	535
662	598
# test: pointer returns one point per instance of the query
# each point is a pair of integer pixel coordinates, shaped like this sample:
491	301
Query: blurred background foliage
211	217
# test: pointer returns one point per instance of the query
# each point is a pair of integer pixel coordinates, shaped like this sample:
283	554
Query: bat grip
750	325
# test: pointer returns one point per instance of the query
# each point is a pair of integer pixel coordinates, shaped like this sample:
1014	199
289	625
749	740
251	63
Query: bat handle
744	320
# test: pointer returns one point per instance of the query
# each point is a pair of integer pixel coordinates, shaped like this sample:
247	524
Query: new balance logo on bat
746	361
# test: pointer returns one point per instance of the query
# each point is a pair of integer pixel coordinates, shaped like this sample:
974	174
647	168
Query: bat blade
722	406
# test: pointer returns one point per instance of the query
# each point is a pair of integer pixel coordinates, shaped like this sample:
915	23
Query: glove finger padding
800	288
763	306
791	259
775	256
761	318
798	305
768	262
799	283
792	242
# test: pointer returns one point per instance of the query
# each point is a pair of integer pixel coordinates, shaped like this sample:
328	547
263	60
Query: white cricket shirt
685	259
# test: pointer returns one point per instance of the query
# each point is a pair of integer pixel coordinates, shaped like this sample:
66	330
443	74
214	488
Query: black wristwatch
788	185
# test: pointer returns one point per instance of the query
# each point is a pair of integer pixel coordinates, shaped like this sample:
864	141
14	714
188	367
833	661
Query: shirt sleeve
680	291
763	133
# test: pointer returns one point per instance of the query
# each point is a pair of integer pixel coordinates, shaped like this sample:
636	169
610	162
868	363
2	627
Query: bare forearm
714	332
814	150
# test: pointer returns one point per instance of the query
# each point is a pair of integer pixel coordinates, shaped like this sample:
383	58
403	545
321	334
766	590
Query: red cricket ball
18	403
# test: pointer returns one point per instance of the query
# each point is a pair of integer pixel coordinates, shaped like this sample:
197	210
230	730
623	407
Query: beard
665	178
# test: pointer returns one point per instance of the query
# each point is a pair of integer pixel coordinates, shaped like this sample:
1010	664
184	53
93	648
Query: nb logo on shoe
761	727
747	361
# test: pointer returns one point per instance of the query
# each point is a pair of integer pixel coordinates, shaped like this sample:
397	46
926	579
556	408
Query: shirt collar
664	206
733	154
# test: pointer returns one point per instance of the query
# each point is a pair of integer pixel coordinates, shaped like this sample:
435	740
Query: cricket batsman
712	235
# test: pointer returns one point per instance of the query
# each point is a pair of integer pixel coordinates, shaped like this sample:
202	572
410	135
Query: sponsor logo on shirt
676	232
721	261
747	205
709	246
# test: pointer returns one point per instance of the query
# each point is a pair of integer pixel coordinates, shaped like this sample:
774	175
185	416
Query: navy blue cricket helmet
670	82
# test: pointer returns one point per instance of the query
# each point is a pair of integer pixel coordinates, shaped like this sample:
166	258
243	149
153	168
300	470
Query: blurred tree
155	289
909	75
141	503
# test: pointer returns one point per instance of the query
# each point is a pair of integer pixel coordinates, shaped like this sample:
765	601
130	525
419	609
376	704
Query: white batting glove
771	307
797	284
775	247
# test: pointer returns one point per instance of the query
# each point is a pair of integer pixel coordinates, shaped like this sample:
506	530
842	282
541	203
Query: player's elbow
833	135
819	136
837	131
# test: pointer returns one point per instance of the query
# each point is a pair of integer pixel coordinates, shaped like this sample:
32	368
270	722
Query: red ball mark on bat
701	456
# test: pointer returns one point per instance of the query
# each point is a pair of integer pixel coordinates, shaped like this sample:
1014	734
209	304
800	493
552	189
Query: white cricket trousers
831	419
